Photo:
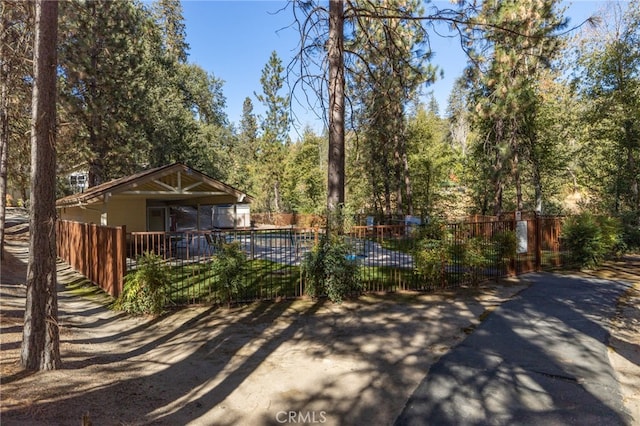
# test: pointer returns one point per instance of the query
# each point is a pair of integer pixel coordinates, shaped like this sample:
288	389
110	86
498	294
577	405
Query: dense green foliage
386	77
515	42
607	82
589	239
227	267
331	269
519	132
274	140
431	257
146	288
440	256
504	245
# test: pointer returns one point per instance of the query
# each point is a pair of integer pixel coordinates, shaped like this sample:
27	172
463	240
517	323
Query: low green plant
631	231
433	252
435	229
431	258
330	269
475	258
612	234
228	267
589	239
504	246
145	289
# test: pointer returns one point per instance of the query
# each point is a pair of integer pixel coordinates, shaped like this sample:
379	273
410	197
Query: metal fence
386	255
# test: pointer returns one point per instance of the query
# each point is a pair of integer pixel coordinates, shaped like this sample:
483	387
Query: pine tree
169	18
103	84
609	84
275	129
514	40
41	337
387	75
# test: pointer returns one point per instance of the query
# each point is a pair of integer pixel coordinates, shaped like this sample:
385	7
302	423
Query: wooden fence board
98	252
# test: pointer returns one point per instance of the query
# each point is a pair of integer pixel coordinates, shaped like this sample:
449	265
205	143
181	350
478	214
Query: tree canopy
544	118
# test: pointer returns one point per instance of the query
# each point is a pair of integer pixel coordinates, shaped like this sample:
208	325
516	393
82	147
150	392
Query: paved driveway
541	358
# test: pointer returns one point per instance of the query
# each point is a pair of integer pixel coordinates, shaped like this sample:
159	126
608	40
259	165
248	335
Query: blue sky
234	39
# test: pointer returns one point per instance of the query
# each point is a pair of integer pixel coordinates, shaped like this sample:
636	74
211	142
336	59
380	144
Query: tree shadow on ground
351	364
198	338
540	359
14	265
380	349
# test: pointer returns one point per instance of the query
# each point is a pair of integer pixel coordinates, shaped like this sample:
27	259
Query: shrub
228	267
631	231
435	229
504	246
612	235
329	269
475	258
589	239
145	289
431	257
437	249
433	252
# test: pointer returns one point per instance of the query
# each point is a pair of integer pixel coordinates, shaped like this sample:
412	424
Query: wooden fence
98	252
287	219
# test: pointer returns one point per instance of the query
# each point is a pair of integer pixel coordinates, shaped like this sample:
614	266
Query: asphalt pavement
539	359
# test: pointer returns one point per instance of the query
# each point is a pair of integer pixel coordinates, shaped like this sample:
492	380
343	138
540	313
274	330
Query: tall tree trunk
537	186
407	178
497	196
40	340
4	138
515	163
276	196
398	166
517	181
498	172
536	178
387	197
335	47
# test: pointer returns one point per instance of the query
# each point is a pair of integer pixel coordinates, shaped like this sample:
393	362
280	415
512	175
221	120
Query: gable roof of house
171	182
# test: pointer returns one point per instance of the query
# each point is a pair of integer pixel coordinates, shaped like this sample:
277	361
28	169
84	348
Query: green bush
431	257
145	289
631	231
228	267
590	239
436	249
475	258
612	232
329	269
435	229
504	246
433	252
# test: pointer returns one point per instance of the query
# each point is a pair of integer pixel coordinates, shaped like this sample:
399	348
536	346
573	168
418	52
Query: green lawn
195	283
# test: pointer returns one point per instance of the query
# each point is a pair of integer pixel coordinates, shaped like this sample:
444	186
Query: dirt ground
298	361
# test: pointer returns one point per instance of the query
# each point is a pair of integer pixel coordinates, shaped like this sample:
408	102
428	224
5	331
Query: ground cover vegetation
331	269
147	288
545	117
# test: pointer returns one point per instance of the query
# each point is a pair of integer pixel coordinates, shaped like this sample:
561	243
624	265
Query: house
77	177
145	201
